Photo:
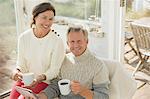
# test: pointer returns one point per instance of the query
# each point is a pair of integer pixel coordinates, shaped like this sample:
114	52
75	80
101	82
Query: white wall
112	25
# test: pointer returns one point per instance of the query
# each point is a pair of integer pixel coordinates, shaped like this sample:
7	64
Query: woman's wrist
40	78
15	75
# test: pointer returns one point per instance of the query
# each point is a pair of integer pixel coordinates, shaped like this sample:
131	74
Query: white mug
64	86
27	78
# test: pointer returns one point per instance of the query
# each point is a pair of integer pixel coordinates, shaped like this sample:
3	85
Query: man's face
77	43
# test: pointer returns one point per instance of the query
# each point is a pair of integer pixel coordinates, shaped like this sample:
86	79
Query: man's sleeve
101	82
52	91
100	91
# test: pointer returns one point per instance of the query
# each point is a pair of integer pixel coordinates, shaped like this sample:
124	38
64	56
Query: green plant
7	15
136	15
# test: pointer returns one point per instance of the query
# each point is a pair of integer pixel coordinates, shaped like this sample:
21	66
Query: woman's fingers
33	84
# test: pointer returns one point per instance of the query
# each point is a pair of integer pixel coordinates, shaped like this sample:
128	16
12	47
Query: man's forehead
76	33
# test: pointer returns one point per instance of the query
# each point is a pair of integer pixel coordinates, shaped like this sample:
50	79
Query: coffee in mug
63	83
64	86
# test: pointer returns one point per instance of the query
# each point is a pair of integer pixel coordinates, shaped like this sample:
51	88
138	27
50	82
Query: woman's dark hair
42	7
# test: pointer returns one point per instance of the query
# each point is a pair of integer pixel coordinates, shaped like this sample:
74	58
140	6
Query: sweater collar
51	32
82	57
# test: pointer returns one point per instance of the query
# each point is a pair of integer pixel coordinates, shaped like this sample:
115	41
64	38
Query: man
88	75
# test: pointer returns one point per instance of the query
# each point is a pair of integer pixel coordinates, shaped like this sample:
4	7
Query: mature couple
88	75
41	52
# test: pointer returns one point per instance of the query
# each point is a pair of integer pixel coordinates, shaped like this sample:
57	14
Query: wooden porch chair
128	42
141	35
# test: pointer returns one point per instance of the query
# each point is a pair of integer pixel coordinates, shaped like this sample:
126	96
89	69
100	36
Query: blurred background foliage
7	15
7	31
81	9
131	14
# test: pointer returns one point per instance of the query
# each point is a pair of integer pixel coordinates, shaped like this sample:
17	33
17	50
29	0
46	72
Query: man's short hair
78	29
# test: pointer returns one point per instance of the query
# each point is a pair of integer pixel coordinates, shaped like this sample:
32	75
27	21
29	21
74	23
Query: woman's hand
37	80
33	84
17	75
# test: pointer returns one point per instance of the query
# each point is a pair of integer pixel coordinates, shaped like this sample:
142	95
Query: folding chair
141	35
130	51
128	42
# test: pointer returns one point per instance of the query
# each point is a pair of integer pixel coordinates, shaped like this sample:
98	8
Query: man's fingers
74	81
75	87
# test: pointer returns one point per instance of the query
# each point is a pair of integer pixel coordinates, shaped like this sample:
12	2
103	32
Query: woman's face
44	20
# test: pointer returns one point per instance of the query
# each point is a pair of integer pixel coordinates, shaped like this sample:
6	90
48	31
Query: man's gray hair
78	29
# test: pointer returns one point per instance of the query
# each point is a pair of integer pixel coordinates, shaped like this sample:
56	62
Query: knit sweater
89	71
40	55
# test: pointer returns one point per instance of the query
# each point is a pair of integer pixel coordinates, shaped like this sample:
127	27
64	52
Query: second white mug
64	86
27	78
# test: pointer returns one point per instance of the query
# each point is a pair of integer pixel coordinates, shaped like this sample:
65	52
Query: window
7	42
81	9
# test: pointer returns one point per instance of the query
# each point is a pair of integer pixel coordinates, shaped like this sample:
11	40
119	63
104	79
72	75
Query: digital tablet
26	92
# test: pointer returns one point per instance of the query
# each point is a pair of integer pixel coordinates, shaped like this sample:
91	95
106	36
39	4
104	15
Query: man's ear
87	41
67	42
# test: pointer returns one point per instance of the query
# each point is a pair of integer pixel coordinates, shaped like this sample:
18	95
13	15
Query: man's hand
29	98
32	97
41	95
77	88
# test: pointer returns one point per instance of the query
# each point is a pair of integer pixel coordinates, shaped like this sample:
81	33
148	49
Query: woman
40	51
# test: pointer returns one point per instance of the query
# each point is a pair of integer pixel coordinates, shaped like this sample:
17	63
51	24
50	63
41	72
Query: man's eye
43	17
51	18
71	42
79	42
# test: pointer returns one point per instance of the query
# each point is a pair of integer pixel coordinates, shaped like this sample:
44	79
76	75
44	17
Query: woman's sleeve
21	62
56	61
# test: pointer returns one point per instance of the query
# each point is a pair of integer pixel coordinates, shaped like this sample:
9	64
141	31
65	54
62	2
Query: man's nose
76	44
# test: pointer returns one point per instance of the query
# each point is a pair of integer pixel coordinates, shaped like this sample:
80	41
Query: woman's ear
35	19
